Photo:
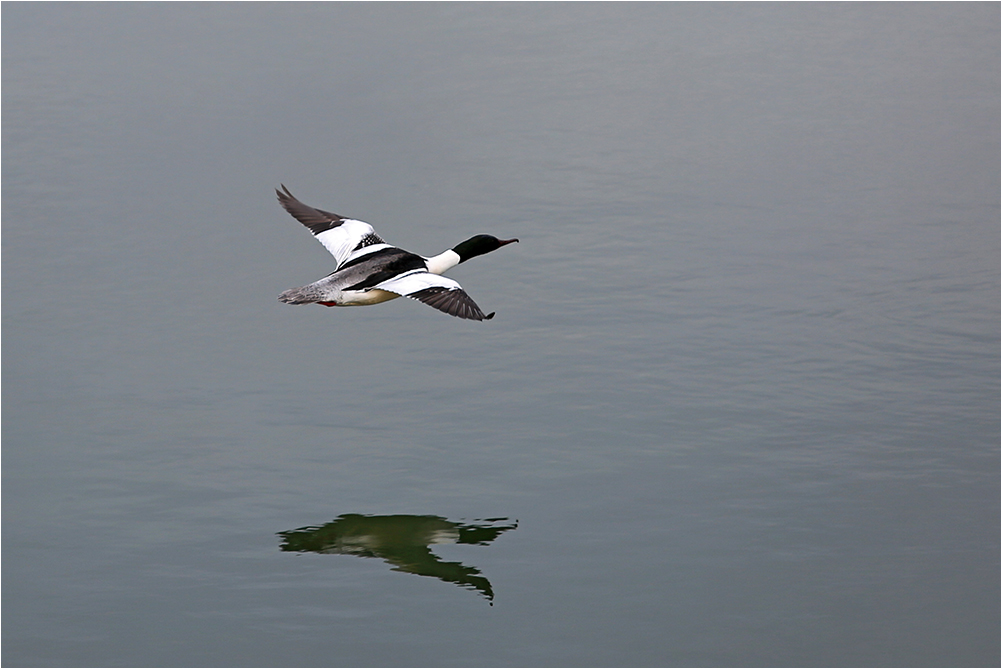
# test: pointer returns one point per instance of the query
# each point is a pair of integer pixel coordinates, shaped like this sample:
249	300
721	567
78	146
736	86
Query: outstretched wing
339	235
436	291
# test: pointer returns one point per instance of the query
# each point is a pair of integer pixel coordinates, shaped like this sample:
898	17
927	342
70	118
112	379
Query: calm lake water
740	404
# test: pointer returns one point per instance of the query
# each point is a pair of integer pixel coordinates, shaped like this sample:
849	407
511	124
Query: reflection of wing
436	291
339	235
421	561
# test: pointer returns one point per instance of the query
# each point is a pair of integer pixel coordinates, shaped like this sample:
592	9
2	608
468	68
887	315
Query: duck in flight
370	271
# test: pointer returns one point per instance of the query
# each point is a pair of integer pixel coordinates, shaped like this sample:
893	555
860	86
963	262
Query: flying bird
370	271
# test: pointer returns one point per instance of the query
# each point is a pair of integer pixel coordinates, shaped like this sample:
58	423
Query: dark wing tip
454	302
317	220
287	198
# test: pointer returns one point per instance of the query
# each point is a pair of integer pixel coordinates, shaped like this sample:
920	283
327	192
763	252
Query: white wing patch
342	240
417	281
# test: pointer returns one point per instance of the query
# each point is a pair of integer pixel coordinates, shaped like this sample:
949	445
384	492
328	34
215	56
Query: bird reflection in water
403	541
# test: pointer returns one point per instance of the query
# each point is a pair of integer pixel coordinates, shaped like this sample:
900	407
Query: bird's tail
300	296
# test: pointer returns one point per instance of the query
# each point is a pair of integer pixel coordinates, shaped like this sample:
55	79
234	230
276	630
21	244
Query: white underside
370	297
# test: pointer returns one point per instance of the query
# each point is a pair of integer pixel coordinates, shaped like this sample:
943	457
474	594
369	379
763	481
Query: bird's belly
370	297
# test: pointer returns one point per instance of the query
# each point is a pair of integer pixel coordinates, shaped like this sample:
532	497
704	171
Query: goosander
370	271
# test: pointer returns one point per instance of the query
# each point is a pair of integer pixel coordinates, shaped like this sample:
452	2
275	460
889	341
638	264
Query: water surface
739	404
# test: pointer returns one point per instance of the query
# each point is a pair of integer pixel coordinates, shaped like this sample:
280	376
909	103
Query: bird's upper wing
339	235
436	291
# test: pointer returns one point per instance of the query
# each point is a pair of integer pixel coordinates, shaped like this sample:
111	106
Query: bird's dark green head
479	245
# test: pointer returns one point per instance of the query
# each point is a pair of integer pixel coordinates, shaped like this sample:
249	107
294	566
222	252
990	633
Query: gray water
740	404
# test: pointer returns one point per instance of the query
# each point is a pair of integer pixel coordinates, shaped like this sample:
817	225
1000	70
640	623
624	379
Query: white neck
439	264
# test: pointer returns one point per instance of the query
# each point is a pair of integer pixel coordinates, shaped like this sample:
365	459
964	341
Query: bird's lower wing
436	291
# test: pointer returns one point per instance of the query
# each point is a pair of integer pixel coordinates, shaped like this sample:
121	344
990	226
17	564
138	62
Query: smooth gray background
742	393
